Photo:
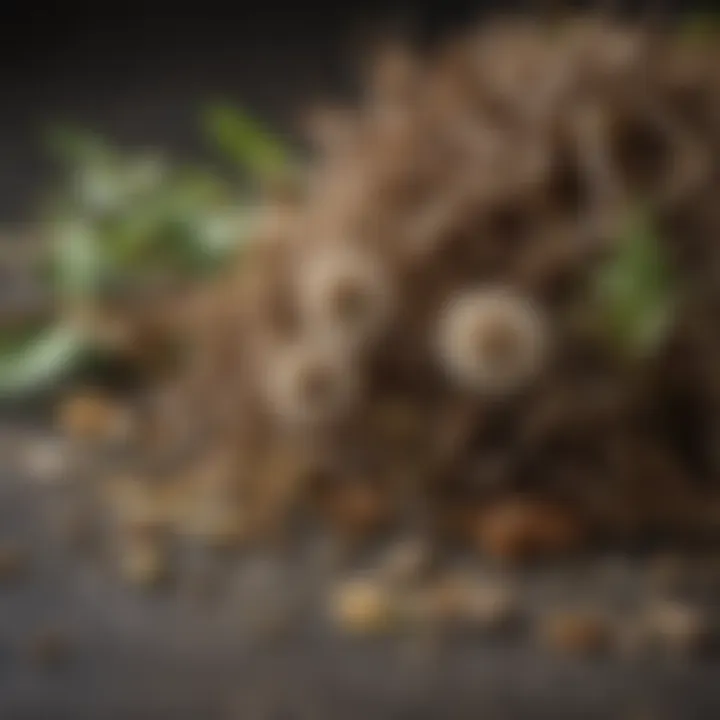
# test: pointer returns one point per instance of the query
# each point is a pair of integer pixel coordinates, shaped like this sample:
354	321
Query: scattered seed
491	607
362	607
406	561
143	563
581	633
679	627
93	417
516	530
459	599
46	460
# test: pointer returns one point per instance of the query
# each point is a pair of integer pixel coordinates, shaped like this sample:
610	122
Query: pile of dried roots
416	337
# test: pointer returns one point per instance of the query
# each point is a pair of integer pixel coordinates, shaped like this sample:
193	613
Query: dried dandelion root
345	295
310	384
443	258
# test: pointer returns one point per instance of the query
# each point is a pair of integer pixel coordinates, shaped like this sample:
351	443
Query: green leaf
79	263
245	142
214	237
41	361
636	292
124	220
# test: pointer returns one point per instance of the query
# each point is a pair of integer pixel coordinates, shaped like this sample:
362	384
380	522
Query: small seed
406	561
93	417
362	607
679	627
516	530
491	606
582	633
143	563
46	460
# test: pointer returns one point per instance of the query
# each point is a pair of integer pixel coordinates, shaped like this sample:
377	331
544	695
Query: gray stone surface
182	654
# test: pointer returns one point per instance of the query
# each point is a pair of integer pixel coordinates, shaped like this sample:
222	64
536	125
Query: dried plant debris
491	310
143	562
462	601
518	530
363	607
680	628
407	562
575	632
48	460
89	416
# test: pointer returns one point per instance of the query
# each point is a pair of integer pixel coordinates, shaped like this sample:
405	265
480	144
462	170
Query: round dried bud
492	340
346	294
310	384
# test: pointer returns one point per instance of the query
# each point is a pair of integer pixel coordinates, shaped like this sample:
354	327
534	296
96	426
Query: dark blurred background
140	73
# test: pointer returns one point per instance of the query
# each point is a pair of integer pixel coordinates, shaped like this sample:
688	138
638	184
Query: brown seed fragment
362	607
143	562
679	627
464	601
47	460
406	561
93	417
517	530
582	633
357	509
491	606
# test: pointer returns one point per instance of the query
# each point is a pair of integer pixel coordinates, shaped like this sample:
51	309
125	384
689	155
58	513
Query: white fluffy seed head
345	294
310	384
492	340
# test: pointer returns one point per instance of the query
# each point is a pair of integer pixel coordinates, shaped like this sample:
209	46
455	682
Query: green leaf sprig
635	292
120	220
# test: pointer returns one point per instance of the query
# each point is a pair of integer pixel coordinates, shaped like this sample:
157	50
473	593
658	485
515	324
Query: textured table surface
223	654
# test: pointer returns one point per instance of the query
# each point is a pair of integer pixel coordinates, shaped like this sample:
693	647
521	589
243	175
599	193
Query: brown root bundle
410	341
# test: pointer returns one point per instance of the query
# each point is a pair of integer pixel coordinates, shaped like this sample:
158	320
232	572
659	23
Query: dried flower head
345	294
310	383
492	339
